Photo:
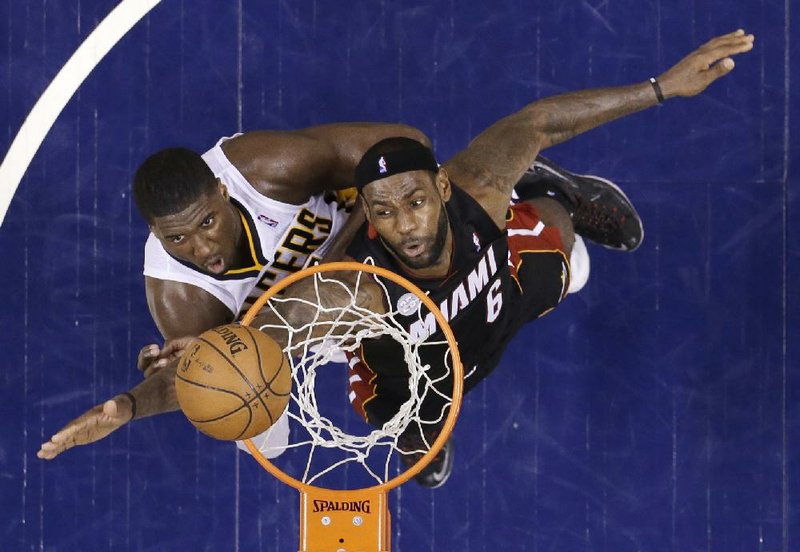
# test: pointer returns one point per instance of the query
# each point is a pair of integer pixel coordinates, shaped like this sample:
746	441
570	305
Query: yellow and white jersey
284	238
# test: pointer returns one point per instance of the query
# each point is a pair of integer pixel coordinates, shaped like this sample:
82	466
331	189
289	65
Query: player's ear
223	189
443	184
372	233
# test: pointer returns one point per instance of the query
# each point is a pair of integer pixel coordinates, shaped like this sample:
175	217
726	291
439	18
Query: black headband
375	166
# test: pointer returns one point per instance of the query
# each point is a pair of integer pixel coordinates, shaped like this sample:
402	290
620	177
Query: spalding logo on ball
233	382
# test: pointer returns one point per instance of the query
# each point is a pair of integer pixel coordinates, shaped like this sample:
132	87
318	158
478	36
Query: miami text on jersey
466	292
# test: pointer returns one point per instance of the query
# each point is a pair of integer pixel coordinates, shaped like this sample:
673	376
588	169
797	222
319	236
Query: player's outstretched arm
153	396
290	166
91	426
493	163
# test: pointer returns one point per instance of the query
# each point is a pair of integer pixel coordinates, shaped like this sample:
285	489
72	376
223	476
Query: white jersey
283	237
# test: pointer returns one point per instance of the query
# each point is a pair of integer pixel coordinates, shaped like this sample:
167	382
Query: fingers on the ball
154	367
175	347
146	356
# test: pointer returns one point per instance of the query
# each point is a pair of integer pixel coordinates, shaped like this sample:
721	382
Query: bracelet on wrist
657	90
133	403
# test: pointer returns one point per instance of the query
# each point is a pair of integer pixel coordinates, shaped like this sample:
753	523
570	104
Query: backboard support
344	521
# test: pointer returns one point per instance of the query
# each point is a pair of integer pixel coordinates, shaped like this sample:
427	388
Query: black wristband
133	403
657	89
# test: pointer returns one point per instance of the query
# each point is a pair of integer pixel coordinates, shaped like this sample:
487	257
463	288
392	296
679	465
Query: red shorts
530	242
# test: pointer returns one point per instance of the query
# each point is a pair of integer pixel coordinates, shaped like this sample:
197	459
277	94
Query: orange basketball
233	382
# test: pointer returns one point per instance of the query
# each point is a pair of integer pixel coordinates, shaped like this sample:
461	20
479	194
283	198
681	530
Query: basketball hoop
349	519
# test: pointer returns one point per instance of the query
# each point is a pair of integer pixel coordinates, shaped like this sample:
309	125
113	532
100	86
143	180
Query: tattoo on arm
498	156
562	117
301	301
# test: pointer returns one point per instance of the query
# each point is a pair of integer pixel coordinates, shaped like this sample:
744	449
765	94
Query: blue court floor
658	410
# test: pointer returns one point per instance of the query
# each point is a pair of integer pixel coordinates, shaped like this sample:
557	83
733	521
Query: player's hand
92	426
152	358
712	60
148	361
173	349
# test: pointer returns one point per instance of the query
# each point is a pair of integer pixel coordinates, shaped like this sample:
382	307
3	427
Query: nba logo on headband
393	156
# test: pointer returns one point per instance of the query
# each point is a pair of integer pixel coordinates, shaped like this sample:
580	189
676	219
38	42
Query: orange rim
458	372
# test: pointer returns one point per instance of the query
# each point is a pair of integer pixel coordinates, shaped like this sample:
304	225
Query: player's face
407	210
204	234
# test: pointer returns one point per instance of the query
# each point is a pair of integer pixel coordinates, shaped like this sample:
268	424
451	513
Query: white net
327	436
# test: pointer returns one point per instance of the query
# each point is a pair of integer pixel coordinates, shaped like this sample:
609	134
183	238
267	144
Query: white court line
50	104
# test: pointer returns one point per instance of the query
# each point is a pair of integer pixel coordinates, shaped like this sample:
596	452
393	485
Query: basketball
233	382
